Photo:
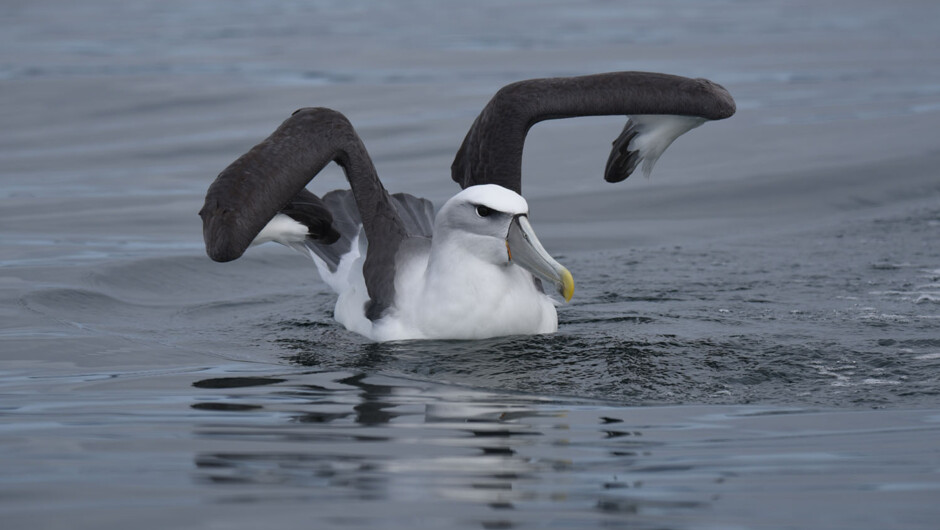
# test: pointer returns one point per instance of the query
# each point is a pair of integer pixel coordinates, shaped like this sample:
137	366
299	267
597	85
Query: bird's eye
483	211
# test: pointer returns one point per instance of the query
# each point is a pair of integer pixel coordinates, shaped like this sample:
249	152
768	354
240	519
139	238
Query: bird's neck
452	263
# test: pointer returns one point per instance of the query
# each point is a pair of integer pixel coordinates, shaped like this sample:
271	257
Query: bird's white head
478	219
491	223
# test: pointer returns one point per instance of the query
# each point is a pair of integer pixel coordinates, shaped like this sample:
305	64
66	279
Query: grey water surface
754	341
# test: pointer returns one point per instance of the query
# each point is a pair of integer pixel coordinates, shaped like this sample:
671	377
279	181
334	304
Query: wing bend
491	152
270	177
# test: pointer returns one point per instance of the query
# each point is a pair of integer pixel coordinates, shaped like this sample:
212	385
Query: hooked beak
526	251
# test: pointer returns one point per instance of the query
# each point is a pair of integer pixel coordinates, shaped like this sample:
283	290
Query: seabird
474	270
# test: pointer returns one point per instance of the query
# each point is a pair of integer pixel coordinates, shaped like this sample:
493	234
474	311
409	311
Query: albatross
475	269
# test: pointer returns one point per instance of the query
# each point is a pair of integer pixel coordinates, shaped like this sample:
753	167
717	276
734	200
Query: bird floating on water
474	270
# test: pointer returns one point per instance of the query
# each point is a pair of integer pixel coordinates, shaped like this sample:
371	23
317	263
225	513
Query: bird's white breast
455	295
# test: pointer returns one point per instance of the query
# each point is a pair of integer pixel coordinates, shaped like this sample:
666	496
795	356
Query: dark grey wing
491	153
264	181
416	214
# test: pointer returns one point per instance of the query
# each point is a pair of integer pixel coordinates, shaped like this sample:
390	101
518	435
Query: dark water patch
320	417
236	382
622	297
225	407
607	319
76	302
288	324
917	343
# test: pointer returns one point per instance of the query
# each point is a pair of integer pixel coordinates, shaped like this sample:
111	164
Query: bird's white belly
469	306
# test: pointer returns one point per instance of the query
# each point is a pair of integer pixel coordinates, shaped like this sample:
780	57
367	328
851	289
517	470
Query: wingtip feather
643	140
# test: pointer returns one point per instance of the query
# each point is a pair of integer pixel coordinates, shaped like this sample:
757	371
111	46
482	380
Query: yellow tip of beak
568	284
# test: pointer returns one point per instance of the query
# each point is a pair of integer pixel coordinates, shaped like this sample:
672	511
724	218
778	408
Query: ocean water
754	341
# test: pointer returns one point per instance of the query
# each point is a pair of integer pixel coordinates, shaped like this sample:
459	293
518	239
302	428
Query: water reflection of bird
476	269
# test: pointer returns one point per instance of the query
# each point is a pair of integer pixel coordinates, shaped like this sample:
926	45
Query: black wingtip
622	160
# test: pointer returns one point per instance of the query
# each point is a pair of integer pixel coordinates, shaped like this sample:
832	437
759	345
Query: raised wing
270	178
491	153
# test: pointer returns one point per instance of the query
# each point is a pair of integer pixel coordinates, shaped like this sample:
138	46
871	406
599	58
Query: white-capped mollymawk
474	270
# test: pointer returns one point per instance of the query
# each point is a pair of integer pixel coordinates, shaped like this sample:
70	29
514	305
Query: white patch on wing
281	229
656	133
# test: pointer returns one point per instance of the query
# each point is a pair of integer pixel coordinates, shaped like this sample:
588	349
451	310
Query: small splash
875	381
927	298
887	266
